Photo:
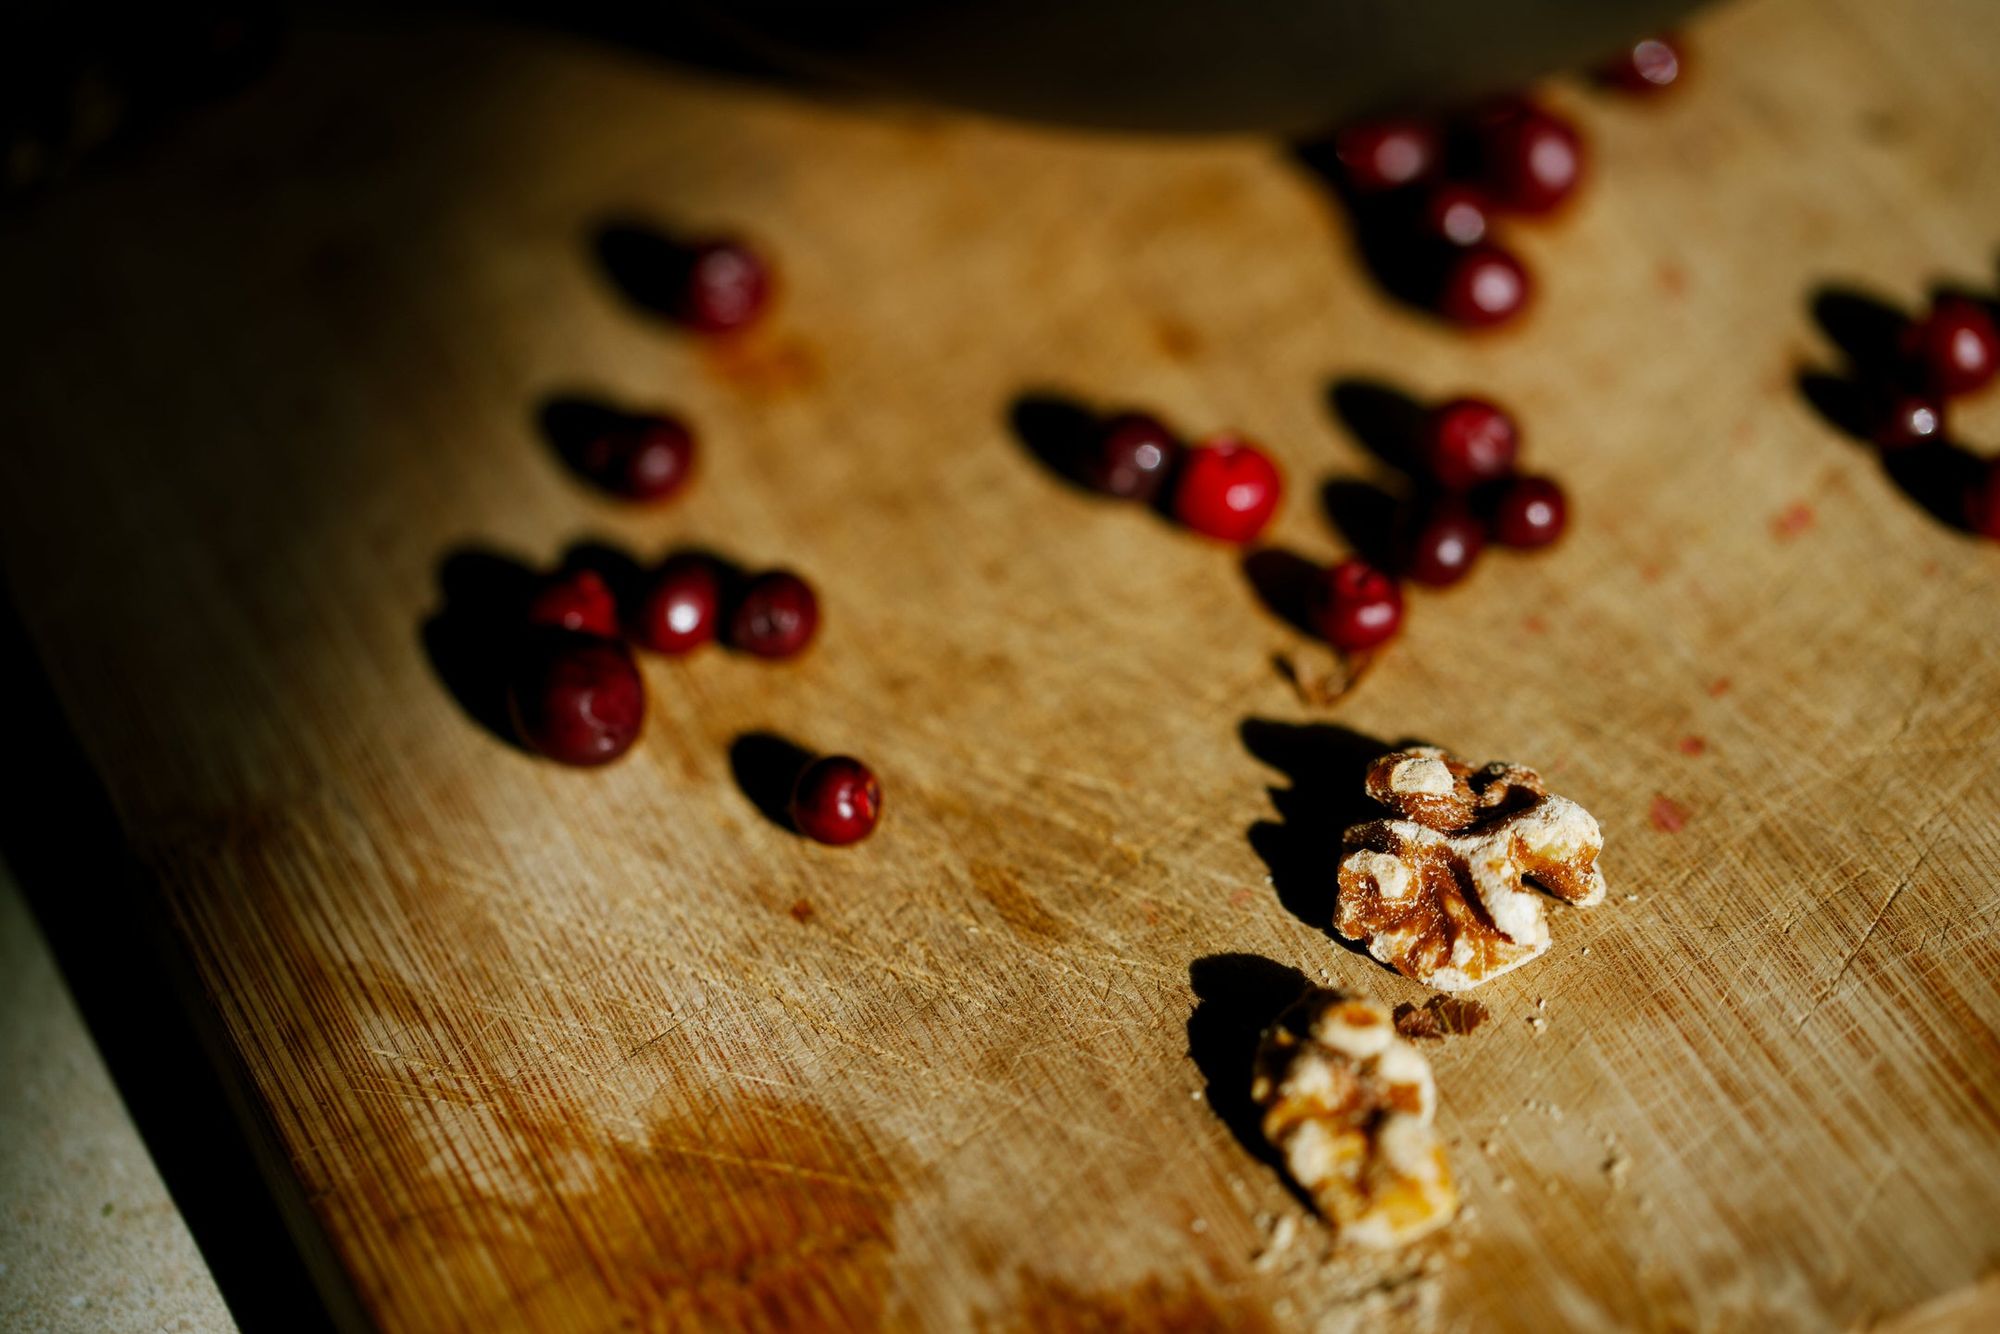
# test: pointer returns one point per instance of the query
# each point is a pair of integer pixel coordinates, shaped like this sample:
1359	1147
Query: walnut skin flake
1440	894
1349	1105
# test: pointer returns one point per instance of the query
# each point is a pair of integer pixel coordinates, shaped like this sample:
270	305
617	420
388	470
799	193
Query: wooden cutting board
576	1050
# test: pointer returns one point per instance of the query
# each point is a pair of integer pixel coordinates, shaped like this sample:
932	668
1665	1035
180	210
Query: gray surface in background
89	1240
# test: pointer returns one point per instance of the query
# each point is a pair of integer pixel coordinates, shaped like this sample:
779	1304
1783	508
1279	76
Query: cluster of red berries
1426	193
1904	374
575	695
574	692
1471	494
1224	487
1433	191
680	606
1954	349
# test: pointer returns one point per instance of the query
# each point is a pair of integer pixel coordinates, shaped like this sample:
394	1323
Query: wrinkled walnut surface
1441	894
1349	1105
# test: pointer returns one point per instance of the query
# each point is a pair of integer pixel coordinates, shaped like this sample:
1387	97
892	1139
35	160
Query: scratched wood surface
563	1050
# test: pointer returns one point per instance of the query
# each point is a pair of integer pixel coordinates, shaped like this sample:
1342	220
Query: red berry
725	287
1454	213
1982	503
1903	419
1227	488
775	617
1384	154
1955	347
640	458
681	604
576	600
575	698
1132	457
1648	66
1531	159
1356	606
1483	285
1468	441
1530	512
1444	543
836	801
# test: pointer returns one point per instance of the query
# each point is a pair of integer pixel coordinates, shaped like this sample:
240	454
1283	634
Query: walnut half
1349	1105
1440	895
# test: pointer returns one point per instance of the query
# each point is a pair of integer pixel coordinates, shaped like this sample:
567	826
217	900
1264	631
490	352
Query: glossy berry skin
644	458
1228	489
1529	512
1530	159
725	287
1380	155
1982	503
1132	457
577	600
775	615
1955	349
1482	286
1454	213
1902	419
680	606
1356	606
1468	441
1443	543
1652	65
836	801
576	699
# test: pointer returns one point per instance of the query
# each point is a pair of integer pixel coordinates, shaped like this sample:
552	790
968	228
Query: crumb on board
1279	1236
801	911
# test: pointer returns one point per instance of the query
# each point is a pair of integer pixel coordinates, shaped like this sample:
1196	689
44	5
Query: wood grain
561	1050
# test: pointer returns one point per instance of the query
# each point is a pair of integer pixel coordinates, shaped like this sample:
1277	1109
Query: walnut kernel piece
1440	1017
1349	1105
1440	895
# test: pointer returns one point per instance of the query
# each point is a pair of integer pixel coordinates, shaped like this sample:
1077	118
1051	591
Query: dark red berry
577	600
575	698
1444	542
680	606
1530	158
640	458
1529	512
1227	488
1385	154
1133	457
1454	213
1469	441
836	801
1355	606
1902	419
1955	348
1483	285
775	616
1982	503
1648	66
726	286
